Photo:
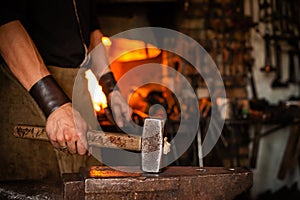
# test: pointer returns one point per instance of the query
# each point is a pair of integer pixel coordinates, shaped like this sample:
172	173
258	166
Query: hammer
151	144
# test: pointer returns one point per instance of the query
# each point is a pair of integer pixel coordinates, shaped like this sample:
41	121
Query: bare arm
122	112
24	60
100	52
21	55
95	39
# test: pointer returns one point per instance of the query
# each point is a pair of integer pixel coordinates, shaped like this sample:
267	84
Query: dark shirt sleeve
11	10
94	17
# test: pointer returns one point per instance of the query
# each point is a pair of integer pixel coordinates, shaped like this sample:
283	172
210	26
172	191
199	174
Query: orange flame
106	41
97	96
122	48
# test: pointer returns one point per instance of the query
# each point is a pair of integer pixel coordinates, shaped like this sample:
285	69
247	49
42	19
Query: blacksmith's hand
66	129
121	110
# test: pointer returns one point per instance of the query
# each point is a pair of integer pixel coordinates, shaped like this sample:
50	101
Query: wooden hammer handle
95	138
114	140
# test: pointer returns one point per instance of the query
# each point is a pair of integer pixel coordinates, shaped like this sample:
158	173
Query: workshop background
255	45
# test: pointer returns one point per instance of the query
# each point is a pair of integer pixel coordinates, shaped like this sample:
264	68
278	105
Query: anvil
174	182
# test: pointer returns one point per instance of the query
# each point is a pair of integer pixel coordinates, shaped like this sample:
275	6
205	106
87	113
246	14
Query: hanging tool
292	75
277	82
268	59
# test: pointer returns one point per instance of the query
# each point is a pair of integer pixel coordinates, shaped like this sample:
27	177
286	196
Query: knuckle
68	132
68	136
59	136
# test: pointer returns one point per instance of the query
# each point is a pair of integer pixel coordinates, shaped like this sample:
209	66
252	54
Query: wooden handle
95	138
114	140
30	132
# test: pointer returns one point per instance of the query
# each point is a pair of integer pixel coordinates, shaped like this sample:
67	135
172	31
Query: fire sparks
97	96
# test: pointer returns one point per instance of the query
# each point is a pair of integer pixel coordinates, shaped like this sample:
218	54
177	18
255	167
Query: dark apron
34	159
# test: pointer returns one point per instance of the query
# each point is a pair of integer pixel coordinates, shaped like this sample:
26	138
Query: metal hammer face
152	145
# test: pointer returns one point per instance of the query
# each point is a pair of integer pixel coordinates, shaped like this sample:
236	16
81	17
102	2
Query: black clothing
59	28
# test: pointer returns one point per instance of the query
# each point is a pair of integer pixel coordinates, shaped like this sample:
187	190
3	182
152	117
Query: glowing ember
98	97
105	172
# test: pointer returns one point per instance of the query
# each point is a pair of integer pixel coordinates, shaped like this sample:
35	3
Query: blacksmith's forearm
21	55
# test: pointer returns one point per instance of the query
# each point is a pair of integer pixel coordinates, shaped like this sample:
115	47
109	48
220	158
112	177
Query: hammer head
152	145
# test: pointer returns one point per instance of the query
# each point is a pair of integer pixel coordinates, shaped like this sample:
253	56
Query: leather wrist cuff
108	83
48	94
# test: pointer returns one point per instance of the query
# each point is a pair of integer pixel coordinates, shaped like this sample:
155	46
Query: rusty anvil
150	144
175	182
